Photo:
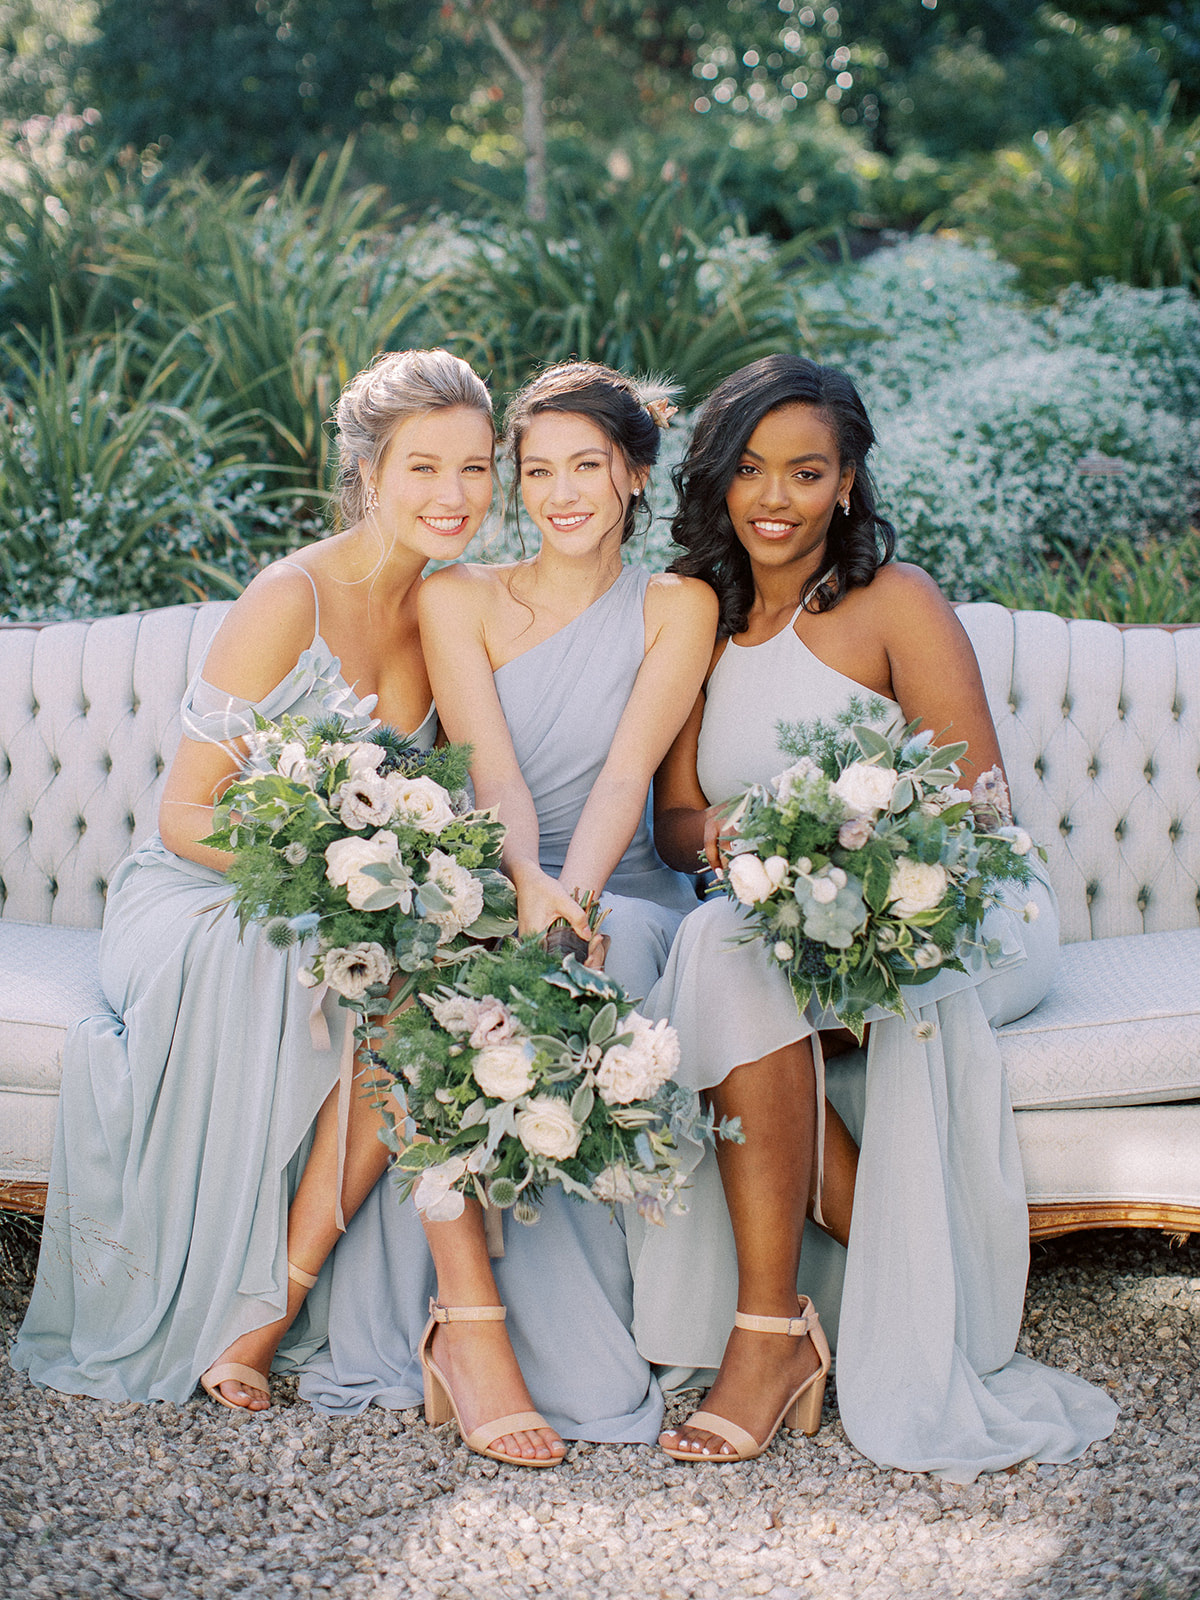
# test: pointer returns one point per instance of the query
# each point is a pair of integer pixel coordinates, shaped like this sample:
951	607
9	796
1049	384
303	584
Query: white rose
613	1186
355	968
547	1128
461	888
435	1196
916	886
634	1071
865	788
458	1014
292	762
421	802
504	1071
802	771
364	801
776	868
748	879
494	1024
346	858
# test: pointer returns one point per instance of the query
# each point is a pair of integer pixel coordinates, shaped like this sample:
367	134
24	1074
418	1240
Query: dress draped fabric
925	1305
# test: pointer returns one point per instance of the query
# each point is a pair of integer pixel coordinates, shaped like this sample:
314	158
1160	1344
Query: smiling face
575	483
434	482
786	488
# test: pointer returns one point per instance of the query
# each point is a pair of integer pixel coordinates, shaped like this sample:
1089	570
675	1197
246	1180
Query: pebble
128	1502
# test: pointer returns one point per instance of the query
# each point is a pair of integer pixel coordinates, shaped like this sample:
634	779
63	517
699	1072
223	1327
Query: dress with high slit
186	1113
566	1280
931	1288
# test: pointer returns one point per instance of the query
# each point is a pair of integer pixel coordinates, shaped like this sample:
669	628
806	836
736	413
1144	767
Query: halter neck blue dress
934	1277
566	1281
185	1115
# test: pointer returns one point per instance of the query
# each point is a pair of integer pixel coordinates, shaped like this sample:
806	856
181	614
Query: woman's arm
452	606
681	623
935	676
260	639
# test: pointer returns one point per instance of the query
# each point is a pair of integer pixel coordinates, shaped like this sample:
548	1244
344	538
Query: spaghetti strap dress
566	1281
931	1287
185	1115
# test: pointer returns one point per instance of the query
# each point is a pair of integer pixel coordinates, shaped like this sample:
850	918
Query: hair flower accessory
661	411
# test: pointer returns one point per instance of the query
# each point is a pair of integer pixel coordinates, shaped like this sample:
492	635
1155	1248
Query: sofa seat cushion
48	980
1119	1026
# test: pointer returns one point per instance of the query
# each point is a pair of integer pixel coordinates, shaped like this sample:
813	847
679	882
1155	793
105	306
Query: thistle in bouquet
864	867
366	844
525	1070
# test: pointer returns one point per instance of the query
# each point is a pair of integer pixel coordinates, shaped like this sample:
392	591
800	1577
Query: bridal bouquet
527	1070
865	869
365	841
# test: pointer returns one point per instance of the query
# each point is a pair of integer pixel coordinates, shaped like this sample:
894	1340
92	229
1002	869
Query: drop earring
370	499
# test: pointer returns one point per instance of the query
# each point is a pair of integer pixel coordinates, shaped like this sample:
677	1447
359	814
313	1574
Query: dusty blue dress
934	1276
185	1117
566	1281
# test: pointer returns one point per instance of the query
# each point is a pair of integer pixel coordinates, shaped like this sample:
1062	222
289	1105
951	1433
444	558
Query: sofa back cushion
1100	729
89	721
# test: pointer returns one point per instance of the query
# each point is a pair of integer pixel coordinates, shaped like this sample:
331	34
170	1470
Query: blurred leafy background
212	212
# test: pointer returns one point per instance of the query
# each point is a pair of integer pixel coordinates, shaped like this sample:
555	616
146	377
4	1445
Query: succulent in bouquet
863	866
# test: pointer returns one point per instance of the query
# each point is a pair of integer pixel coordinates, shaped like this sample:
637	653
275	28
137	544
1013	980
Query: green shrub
1116	196
278	297
1118	581
1006	432
112	498
662	281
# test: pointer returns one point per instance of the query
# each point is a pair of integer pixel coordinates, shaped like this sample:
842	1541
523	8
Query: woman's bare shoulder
676	595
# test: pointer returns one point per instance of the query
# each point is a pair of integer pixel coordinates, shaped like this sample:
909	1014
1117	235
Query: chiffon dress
186	1114
934	1276
566	1280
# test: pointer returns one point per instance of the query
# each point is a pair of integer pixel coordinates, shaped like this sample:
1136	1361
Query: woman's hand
542	900
717	828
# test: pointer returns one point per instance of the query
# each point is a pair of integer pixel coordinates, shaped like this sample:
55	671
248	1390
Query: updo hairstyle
398	386
617	405
859	542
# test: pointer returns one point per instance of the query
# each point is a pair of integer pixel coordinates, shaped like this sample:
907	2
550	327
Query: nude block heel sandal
802	1409
237	1371
439	1401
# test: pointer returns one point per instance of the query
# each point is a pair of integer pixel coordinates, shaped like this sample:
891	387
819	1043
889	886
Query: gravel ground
153	1502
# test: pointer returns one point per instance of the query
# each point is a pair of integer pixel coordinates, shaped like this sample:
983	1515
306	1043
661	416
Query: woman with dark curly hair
777	513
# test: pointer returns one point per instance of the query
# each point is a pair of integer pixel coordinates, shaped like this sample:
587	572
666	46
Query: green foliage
655	282
1117	581
113	498
1116	196
282	296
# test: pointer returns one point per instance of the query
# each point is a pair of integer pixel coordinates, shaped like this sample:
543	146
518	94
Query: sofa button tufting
1064	826
129	822
1039	766
1143	899
1174	831
106	761
80	824
1066	708
1121	710
1091	891
1093	767
1120	829
159	764
1148	770
52	885
1012	704
101	887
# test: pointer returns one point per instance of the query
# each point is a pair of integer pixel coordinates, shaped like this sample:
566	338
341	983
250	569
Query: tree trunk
531	73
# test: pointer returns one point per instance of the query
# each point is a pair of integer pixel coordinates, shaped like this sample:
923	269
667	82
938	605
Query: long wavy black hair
859	542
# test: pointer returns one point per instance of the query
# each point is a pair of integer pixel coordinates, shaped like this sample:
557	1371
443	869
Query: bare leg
767	1182
312	1230
477	1357
841	1169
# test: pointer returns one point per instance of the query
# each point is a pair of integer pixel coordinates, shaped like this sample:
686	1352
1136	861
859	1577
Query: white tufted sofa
1100	729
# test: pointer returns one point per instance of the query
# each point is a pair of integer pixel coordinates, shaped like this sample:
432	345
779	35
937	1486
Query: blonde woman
195	1176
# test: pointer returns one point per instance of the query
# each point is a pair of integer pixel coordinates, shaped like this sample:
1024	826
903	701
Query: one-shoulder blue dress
185	1115
566	1281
